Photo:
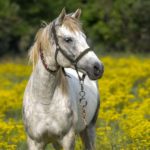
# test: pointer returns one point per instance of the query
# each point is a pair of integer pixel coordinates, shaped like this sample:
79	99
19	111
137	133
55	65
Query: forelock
72	24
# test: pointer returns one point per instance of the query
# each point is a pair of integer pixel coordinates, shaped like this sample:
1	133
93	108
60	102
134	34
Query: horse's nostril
98	69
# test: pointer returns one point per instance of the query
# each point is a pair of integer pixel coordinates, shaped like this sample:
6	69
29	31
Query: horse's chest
53	120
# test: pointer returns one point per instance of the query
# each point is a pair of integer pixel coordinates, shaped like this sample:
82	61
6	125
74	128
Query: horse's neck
43	83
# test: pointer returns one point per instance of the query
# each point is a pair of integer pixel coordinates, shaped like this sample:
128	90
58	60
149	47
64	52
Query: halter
59	49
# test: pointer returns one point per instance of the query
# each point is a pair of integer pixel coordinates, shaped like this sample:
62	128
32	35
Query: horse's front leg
88	137
34	145
68	141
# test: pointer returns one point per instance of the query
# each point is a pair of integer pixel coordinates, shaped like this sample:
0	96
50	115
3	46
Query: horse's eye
68	39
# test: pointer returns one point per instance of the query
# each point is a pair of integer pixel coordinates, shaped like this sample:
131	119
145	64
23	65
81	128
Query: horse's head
63	43
72	42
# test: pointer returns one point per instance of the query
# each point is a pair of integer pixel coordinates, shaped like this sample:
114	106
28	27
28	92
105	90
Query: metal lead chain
83	102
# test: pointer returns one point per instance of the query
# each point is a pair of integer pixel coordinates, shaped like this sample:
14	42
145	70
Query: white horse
57	105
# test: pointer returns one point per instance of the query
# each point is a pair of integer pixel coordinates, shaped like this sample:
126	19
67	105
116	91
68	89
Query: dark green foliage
111	25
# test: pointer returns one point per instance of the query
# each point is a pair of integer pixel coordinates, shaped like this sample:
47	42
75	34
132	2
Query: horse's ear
77	14
61	17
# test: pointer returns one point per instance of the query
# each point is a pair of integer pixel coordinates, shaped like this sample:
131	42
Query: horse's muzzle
96	71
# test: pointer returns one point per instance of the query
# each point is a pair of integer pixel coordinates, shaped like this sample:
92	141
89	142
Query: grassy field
124	118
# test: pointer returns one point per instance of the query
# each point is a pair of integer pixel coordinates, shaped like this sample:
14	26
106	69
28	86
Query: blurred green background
110	25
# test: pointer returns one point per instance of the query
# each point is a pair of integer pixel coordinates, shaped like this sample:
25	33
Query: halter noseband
59	49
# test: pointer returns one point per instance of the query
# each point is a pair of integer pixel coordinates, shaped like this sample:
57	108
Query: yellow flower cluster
13	78
124	118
